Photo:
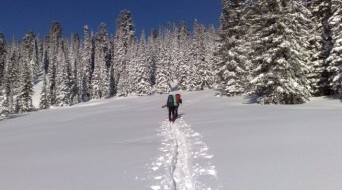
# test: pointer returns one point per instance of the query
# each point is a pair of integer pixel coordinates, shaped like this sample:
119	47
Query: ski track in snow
184	163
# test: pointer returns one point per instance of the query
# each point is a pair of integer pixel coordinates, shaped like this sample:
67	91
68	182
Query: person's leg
173	110
170	114
176	112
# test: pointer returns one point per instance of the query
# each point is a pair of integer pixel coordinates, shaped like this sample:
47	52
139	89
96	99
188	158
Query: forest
278	51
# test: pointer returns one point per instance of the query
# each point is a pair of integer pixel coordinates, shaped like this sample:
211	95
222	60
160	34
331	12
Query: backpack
178	99
170	101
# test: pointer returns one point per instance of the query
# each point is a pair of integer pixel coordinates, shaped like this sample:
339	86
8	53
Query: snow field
184	163
125	143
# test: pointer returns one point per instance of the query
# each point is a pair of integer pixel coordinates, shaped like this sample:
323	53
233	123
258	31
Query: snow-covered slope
219	143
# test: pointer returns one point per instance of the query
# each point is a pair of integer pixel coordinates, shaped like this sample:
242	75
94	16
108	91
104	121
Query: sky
17	17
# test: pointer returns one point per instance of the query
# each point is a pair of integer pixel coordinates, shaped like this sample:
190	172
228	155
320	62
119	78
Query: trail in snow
184	163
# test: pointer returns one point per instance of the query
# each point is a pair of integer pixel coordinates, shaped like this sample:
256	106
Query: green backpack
170	101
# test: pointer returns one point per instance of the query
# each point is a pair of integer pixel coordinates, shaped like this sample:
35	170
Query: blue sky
19	16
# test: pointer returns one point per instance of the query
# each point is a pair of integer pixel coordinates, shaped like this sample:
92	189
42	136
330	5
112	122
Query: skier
171	105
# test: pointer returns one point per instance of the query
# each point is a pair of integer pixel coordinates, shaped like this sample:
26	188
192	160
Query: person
170	104
178	102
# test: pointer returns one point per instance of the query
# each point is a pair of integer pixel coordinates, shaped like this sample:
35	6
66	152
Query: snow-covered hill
219	143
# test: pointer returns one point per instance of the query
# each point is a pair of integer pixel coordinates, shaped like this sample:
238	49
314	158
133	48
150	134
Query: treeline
102	65
281	51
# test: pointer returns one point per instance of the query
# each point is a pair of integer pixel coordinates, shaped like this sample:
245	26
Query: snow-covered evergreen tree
102	82
52	76
140	76
152	52
211	46
9	84
184	49
212	49
29	64
175	57
65	87
96	92
2	59
7	101
88	65
76	65
197	74
322	45
96	81
163	75
44	102
124	38
73	64
55	67
30	54
2	72
232	65
14	67
25	96
335	58
45	56
40	50
280	52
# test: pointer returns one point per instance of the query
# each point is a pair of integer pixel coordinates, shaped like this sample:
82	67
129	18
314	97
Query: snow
218	143
37	89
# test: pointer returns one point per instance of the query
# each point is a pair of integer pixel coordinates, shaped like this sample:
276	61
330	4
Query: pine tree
152	55
44	95
212	46
25	96
14	72
9	87
88	65
29	61
7	102
96	82
2	72
210	38
2	59
96	92
322	44
163	77
66	84
124	38
184	49
45	58
232	65
75	60
198	64
40	49
139	76
103	66
52	76
280	52
335	58
55	56
30	54
62	76
175	54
